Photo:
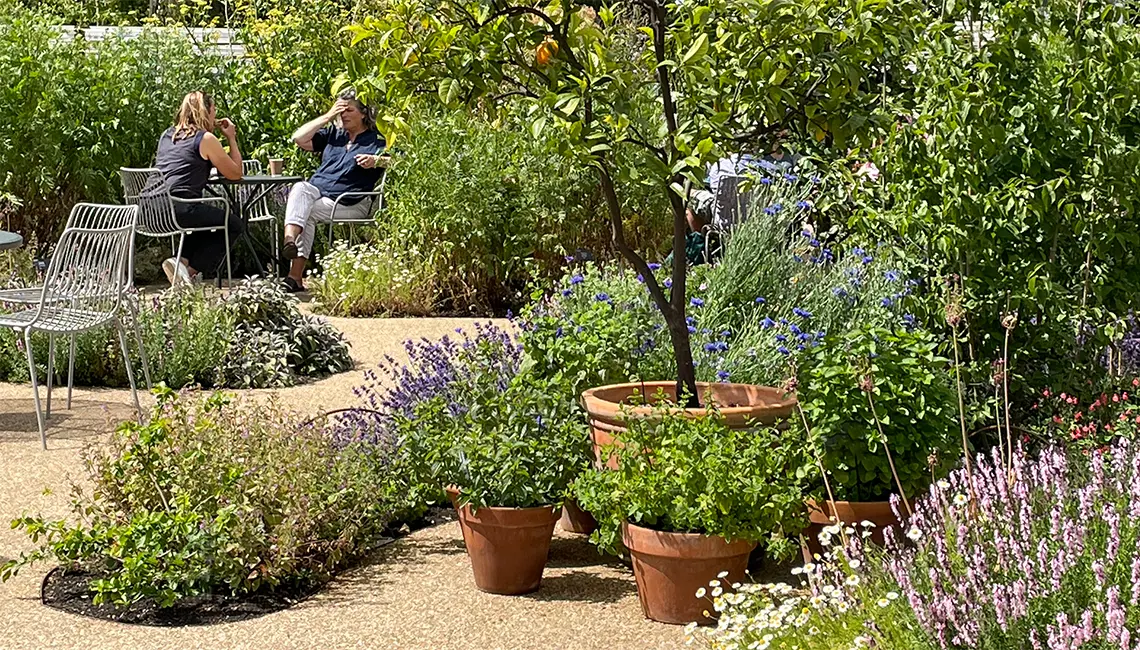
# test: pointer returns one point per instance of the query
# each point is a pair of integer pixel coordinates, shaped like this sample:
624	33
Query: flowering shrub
1112	414
869	378
517	446
373	280
212	496
698	476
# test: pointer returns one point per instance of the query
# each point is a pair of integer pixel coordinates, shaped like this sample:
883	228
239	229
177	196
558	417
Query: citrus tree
644	91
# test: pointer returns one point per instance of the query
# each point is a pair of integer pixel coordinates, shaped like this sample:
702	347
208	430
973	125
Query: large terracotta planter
741	406
508	546
671	567
576	520
848	513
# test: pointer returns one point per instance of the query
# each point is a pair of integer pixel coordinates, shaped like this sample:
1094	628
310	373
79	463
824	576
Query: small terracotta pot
741	406
848	513
671	567
508	546
576	520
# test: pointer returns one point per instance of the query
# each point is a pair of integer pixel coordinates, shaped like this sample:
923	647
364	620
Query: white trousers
307	208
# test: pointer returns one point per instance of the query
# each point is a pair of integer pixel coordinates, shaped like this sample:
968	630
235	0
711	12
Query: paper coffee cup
276	166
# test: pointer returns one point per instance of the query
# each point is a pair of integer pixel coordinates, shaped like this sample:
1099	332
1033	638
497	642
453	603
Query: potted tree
881	408
510	457
646	92
690	498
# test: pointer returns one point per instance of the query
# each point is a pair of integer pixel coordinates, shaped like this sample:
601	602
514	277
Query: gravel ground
415	593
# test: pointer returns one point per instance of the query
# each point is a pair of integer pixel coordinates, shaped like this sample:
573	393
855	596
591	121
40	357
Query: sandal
292	286
290	250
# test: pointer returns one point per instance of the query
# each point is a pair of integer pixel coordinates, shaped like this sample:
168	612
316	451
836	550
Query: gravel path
415	593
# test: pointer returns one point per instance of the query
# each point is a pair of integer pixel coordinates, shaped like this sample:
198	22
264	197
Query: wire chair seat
55	318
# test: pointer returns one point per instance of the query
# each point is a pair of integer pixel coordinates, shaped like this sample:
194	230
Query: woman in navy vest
351	161
186	153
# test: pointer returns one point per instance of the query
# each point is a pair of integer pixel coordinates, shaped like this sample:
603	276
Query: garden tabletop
9	240
247	191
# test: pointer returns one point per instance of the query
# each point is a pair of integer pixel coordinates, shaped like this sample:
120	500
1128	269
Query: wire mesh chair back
259	209
89	268
147	189
731	203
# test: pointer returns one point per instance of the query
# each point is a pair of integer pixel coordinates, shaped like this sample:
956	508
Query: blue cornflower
558	332
858	250
783	350
668	283
653	266
910	321
692	330
802	313
696	302
867	259
803	205
805	337
767	323
760	300
795	330
778	207
892	276
806	233
725	334
791	178
839	292
765	181
689	320
801	346
783	321
577	279
814	243
567	292
602	297
886	302
710	347
569	258
819	334
797	258
769	210
816	180
706	331
781	338
722	375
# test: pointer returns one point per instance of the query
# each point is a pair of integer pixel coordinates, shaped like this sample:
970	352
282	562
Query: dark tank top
182	164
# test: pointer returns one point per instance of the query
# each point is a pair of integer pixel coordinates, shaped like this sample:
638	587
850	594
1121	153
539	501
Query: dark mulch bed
67	591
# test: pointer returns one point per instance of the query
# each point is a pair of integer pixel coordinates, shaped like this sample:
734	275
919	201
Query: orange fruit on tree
546	51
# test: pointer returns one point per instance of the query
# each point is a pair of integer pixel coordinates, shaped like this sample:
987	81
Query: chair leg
127	362
229	264
71	370
181	243
275	243
50	371
142	348
35	388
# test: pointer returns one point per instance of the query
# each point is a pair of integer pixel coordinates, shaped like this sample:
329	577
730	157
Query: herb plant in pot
690	499
881	408
513	453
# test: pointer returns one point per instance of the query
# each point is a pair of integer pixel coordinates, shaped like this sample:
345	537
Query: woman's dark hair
349	94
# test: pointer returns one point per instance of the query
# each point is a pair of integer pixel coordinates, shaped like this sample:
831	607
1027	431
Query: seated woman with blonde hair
186	153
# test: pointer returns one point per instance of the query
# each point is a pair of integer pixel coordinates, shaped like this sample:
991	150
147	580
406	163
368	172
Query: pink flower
867	170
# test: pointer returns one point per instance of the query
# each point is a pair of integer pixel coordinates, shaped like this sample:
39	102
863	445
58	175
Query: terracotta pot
576	520
848	513
671	567
508	546
742	406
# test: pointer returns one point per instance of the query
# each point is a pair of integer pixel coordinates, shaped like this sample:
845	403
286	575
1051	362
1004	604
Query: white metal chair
89	216
376	197
260	211
729	209
84	289
147	189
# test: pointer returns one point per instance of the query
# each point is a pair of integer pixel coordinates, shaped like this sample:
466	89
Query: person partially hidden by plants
186	153
352	160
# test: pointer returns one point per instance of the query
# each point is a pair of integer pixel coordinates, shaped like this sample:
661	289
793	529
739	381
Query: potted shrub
868	393
511	455
690	499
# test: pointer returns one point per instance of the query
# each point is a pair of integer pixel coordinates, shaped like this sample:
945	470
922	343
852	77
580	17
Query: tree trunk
672	307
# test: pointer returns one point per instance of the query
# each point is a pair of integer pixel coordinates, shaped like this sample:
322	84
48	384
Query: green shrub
913	398
698	476
253	337
490	208
514	446
214	496
372	280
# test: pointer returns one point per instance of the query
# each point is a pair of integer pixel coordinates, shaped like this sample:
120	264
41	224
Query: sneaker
176	272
